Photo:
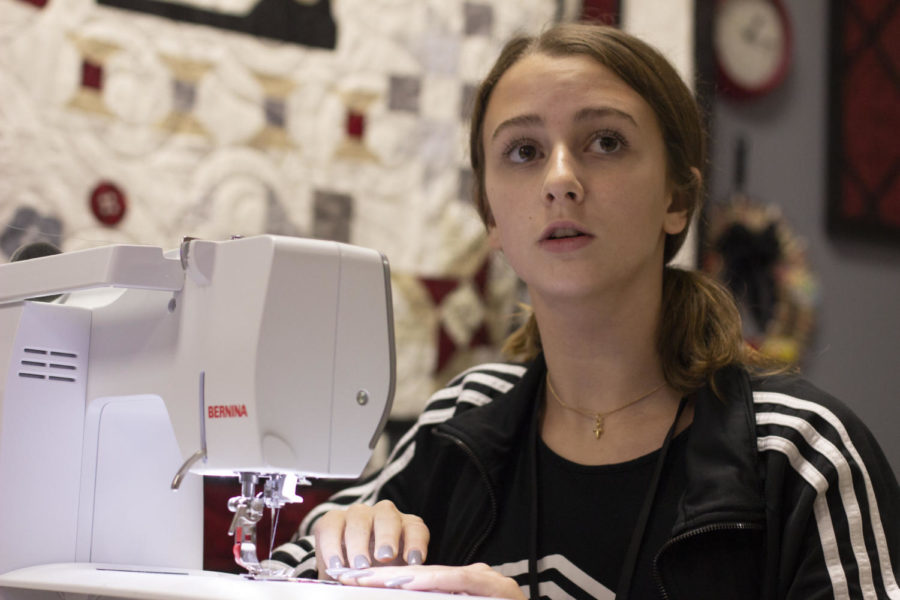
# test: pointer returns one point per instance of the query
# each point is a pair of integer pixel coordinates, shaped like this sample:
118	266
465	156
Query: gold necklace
599	417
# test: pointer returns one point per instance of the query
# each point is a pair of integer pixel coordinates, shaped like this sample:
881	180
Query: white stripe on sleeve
844	488
848	496
823	516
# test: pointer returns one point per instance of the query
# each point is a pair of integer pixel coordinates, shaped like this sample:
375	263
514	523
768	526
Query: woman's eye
522	152
607	143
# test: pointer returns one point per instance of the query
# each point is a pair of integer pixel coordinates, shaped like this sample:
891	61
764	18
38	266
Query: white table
87	581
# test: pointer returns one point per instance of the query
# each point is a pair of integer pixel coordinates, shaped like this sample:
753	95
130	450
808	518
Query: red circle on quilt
108	203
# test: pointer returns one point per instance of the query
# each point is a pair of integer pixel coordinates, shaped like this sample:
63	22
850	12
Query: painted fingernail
398	581
361	562
384	553
414	557
356	573
336	573
360	573
335	562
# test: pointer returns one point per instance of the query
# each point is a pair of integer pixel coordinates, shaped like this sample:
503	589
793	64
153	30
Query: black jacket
788	494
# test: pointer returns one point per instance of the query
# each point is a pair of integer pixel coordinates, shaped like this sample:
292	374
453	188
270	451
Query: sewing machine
266	358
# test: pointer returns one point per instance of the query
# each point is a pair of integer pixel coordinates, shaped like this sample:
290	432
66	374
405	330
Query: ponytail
524	343
700	331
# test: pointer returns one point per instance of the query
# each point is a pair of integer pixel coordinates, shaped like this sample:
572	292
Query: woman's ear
675	220
680	205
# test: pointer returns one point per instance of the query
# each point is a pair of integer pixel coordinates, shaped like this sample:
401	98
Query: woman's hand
361	536
474	580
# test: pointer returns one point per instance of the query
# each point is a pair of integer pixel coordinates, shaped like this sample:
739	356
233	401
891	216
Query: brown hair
700	327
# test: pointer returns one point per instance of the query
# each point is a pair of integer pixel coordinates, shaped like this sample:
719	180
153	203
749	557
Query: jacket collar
724	481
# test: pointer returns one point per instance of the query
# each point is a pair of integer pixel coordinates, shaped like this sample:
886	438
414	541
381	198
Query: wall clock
752	43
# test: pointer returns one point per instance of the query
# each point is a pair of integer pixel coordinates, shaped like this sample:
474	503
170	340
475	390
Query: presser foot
264	573
248	509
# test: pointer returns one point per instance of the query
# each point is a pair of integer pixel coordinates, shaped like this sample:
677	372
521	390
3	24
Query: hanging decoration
753	250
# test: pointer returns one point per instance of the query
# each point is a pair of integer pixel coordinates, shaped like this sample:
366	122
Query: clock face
752	45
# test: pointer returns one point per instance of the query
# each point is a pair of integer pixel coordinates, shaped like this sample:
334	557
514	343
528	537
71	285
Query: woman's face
575	177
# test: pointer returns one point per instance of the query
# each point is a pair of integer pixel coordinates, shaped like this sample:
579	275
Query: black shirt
586	517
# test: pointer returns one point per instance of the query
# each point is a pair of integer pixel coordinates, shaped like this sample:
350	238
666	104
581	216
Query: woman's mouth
564	232
564	238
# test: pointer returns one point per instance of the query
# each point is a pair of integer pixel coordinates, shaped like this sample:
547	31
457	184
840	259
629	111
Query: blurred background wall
854	351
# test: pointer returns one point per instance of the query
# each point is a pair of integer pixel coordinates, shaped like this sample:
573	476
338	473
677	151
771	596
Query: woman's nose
561	180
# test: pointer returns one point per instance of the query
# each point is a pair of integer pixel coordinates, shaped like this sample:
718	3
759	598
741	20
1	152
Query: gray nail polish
361	562
336	573
335	562
414	557
357	573
398	581
384	553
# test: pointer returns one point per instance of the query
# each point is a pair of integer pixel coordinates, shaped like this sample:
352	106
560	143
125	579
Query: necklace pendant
598	426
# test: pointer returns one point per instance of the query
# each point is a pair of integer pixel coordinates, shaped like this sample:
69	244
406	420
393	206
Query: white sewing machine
267	358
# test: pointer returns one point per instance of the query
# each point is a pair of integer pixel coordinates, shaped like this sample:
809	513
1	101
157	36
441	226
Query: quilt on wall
142	121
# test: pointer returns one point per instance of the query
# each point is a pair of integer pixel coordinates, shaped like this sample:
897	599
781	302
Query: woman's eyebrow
520	121
586	114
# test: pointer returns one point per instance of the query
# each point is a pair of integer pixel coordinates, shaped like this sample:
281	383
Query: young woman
637	449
